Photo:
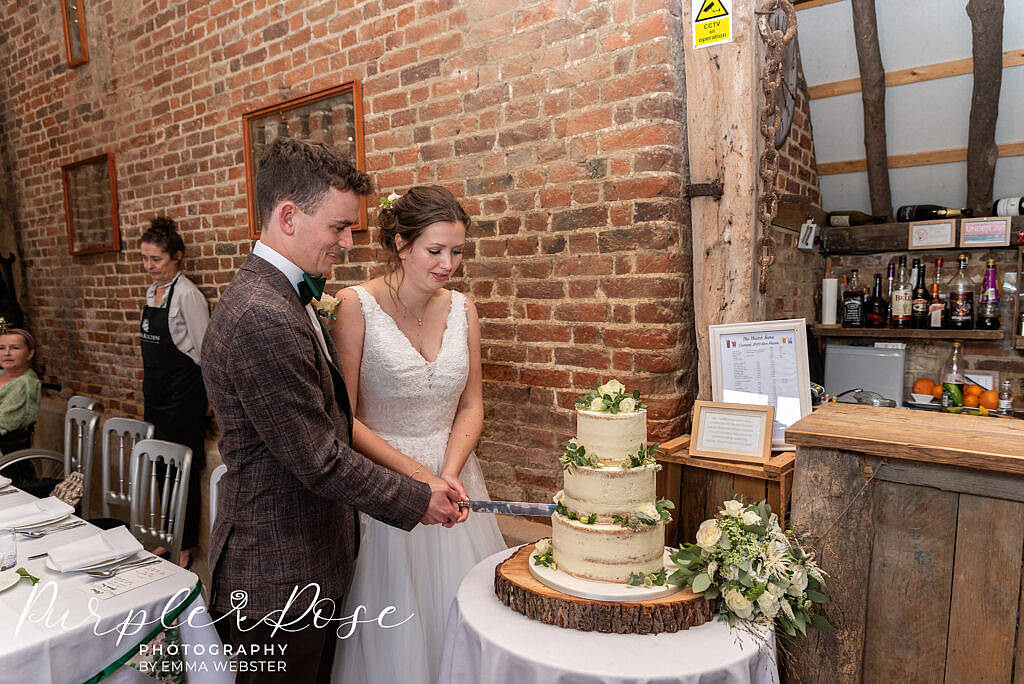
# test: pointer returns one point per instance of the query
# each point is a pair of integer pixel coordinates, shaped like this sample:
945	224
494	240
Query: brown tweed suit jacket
286	507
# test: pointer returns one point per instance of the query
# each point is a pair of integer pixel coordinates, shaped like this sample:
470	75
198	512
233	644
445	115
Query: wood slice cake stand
521	592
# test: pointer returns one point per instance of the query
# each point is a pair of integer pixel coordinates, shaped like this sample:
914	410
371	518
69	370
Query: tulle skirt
417	573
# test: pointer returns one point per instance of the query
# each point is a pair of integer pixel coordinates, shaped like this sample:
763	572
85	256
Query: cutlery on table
125	566
36	534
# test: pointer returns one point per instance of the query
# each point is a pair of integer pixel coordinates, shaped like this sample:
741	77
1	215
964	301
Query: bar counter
918	518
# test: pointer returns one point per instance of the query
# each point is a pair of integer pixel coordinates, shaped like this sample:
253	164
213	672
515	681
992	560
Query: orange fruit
974	389
937	392
923	386
990	399
971	400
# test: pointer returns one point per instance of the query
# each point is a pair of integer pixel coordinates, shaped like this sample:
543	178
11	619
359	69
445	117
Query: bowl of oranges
978	401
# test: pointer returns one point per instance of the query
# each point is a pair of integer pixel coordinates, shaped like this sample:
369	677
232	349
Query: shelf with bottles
907	333
892	237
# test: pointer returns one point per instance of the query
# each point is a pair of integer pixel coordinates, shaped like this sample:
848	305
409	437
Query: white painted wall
920	117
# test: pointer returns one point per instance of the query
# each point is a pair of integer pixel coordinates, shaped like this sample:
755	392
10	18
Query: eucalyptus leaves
610	397
576	456
652	514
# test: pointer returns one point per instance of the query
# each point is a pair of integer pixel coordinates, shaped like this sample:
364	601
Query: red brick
581	358
540	290
591	313
544	377
535	332
649	338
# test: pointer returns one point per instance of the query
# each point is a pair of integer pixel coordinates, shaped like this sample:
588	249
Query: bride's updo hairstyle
414	212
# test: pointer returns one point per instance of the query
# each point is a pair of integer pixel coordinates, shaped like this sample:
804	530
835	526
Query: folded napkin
33	513
4	481
108	545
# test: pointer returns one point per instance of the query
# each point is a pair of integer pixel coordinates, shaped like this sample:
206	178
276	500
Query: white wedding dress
411	403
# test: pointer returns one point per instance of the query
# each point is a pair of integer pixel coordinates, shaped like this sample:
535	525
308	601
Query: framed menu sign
731	432
763	363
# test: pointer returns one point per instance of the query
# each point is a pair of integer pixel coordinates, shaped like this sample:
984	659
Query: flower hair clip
389	201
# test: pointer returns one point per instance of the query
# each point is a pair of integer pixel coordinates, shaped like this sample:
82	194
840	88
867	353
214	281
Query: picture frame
333	116
985	232
937	234
90	205
763	363
76	43
732	432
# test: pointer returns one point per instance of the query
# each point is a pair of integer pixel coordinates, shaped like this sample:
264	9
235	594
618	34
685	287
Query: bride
410	352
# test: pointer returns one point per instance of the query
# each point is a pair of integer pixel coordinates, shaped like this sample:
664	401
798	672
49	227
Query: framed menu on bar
731	432
763	363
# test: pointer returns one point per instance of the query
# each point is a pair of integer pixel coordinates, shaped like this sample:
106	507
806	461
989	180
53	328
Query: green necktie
311	287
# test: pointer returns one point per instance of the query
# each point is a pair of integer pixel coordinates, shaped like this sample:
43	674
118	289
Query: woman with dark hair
410	352
174	323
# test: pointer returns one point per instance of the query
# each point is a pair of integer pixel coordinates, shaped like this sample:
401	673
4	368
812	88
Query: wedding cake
607	524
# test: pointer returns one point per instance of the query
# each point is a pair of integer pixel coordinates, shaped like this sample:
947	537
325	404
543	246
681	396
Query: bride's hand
460	492
434	481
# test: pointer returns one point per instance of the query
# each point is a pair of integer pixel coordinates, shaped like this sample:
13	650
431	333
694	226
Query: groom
287	505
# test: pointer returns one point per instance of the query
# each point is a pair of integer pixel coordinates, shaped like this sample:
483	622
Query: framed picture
90	205
932	234
333	116
76	45
765	364
732	432
985	232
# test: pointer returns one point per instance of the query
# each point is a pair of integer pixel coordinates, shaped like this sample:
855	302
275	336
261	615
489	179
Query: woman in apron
174	322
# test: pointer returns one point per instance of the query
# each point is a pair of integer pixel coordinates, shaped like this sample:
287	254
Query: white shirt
294	275
188	317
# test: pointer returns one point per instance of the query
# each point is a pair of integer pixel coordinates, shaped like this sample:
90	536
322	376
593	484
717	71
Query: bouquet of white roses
759	573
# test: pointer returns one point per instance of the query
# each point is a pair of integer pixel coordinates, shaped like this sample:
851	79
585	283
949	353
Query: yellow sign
712	23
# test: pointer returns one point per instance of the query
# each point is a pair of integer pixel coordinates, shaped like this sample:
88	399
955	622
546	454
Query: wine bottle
988	307
937	305
888	296
877	308
853	303
1008	206
924	212
961	297
919	303
852	218
902	298
953	382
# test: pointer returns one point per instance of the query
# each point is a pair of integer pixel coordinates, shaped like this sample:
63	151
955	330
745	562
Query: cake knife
509	507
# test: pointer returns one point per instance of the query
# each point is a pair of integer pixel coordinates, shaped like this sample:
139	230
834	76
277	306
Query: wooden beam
808	4
927	72
987	37
902	161
872	79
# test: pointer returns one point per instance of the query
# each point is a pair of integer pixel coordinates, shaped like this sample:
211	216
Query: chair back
159	491
79	401
119	438
79	439
218	473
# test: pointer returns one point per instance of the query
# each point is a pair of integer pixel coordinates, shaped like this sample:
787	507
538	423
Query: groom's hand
459	492
441	509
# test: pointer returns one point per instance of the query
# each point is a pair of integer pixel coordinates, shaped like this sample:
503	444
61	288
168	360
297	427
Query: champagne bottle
988	309
961	297
1008	206
877	308
853	303
924	212
919	303
902	298
852	218
953	382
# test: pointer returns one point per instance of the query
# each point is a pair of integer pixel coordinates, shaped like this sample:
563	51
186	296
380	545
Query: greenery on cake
573	515
643	457
654	514
610	397
761	573
651	579
576	456
544	554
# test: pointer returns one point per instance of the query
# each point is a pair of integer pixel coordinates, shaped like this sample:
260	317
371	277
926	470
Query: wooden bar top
979	442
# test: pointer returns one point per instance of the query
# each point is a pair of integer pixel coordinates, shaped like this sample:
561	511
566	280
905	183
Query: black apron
175	402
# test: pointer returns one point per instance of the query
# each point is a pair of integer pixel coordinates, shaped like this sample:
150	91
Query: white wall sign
712	22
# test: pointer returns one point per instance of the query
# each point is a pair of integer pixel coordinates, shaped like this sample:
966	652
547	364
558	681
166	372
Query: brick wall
798	167
558	123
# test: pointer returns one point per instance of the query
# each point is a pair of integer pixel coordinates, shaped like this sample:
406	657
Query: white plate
8	578
94	566
599	591
41	523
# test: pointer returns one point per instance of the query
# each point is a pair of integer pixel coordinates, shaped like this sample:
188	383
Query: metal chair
215	476
36	471
159	491
81	401
119	438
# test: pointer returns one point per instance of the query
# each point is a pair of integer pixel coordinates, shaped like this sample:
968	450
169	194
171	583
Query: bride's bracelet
413	473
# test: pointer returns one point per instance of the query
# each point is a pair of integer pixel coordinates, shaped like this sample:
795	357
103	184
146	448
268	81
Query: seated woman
19	385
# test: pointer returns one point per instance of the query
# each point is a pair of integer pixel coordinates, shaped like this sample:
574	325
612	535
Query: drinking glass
8	549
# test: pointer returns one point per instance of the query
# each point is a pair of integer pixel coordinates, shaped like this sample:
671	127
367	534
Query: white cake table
487	642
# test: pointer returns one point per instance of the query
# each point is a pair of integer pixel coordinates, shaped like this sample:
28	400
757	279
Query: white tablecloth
487	642
77	644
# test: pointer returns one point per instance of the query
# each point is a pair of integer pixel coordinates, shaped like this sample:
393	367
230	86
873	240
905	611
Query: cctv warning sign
712	22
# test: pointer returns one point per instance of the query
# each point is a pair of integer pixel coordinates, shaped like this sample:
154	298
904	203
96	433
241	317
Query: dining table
72	627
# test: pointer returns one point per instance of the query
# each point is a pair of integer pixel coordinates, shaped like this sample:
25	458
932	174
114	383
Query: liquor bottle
876	308
920	301
888	295
953	382
1008	206
915	267
936	307
902	298
988	307
924	212
853	303
1006	398
961	297
852	218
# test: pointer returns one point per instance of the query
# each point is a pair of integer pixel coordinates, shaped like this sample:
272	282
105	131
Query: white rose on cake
733	508
611	387
708	534
739	604
544	546
597	404
650	510
627	405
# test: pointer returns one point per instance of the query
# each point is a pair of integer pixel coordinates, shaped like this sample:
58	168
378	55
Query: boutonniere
325	306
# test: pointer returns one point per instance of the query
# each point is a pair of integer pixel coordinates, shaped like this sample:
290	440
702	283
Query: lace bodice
409	401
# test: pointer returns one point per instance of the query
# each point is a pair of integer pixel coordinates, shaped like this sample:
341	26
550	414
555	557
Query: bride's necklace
419	319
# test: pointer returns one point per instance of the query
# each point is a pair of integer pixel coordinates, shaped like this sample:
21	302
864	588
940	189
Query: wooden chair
159	492
119	438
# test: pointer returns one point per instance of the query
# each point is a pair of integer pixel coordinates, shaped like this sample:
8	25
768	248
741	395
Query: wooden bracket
712	189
